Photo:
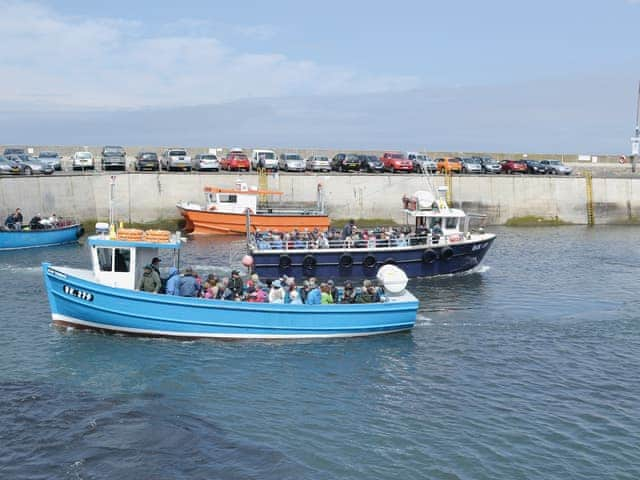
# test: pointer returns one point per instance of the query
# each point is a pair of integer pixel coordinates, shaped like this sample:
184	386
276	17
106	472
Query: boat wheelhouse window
451	222
105	259
122	259
222	198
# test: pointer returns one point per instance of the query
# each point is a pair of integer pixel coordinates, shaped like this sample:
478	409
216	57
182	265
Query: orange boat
234	210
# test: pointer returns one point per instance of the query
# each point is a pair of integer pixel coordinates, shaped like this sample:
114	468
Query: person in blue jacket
173	282
188	285
314	296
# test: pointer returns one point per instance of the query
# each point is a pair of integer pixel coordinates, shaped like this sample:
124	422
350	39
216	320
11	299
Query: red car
235	161
513	166
396	162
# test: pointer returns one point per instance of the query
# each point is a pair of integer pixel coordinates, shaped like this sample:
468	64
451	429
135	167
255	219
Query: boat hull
17	239
220	223
326	263
81	303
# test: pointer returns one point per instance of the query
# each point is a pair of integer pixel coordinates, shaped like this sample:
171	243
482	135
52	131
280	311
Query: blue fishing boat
105	298
435	240
45	237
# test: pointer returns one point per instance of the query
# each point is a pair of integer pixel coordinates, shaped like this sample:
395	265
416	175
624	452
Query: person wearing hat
276	295
348	293
235	283
155	264
188	286
150	281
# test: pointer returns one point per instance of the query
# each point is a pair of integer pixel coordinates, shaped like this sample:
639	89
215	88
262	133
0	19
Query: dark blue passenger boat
436	240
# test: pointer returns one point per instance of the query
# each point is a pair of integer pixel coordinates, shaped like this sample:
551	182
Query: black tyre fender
446	253
369	261
285	261
346	261
429	256
309	262
390	261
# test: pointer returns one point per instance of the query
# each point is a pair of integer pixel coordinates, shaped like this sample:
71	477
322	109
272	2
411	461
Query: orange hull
216	223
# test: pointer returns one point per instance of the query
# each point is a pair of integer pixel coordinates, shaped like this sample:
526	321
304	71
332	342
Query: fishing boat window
105	259
452	222
228	198
122	259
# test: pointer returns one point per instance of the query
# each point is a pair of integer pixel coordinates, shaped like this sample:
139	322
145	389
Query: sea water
528	368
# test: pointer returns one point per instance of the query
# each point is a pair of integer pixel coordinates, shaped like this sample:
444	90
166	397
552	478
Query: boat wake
422	320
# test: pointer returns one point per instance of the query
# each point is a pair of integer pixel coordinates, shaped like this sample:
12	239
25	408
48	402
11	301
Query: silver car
52	158
318	163
291	161
556	167
471	165
206	161
176	159
422	163
31	165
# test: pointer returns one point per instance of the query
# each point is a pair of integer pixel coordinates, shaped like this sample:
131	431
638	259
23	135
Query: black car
535	167
114	157
370	163
344	162
147	161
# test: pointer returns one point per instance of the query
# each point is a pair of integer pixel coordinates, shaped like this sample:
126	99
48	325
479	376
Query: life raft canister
285	261
447	253
346	261
429	256
369	261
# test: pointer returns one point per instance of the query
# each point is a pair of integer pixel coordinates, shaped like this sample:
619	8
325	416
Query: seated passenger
294	296
325	294
369	293
34	223
348	294
333	290
314	297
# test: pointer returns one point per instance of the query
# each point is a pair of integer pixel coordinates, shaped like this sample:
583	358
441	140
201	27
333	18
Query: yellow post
449	179
588	179
263	184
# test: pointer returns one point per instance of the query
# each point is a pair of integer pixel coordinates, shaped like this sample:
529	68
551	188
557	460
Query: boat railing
261	243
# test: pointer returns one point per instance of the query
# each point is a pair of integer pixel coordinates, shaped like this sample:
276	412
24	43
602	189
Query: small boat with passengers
224	212
435	240
60	232
105	298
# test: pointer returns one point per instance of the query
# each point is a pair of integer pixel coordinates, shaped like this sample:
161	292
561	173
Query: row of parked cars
489	165
17	161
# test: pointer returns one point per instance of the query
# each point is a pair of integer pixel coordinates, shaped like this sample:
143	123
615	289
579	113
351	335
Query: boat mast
635	140
112	197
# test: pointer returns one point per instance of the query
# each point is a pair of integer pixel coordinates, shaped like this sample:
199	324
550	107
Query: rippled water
529	368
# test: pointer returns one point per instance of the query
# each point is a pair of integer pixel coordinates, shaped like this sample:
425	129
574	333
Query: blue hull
413	260
12	240
85	304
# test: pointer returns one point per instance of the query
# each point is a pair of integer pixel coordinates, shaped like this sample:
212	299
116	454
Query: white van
265	159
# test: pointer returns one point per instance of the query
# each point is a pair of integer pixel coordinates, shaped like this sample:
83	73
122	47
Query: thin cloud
257	32
57	61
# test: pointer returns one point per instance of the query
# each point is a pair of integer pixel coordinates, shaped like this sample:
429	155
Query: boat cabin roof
104	241
446	213
238	191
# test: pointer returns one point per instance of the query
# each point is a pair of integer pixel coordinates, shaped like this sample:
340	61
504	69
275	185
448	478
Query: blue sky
558	61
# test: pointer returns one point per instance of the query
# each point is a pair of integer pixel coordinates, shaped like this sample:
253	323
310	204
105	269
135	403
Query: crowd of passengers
15	221
350	237
234	288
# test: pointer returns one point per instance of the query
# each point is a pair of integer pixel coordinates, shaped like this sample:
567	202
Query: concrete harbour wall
148	197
